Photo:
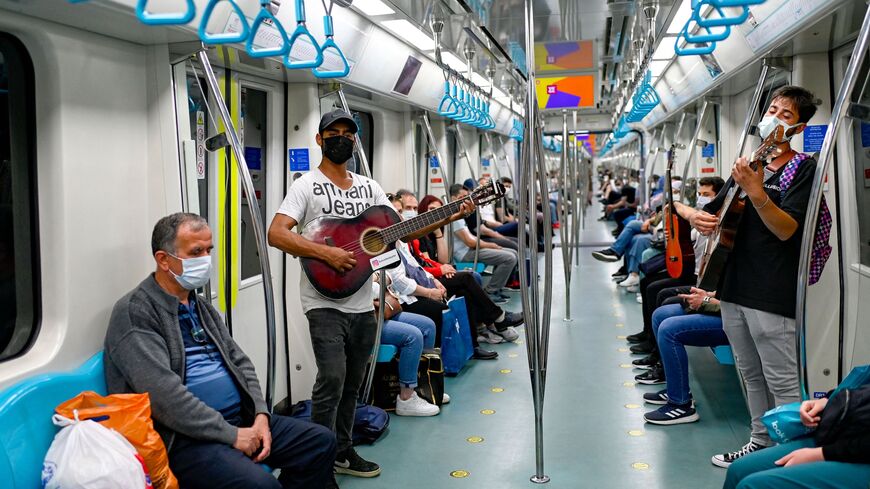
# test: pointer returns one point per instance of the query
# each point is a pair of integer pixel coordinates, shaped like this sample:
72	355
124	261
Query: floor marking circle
640	466
474	439
632	406
505	371
513	355
519	342
487	412
626	365
628	384
497	389
622	350
459	474
636	433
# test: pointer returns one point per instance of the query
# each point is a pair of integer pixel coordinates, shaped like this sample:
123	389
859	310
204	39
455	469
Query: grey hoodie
145	353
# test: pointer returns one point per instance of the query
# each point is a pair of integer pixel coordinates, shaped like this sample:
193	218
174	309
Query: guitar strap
821	248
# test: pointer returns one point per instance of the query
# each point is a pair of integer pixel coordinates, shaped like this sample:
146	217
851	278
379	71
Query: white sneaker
445	399
509	334
639	298
632	279
415	406
488	336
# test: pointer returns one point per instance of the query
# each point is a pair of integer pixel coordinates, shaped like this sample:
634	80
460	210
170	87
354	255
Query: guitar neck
405	228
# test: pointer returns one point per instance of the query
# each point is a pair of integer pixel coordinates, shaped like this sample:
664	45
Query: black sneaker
606	254
510	319
660	397
653	376
641	337
644	348
621	272
672	414
725	460
350	463
481	354
646	362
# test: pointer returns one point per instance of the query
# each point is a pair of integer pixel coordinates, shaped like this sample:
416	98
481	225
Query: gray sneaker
508	334
490	337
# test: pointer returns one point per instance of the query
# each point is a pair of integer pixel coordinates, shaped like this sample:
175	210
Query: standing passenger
342	330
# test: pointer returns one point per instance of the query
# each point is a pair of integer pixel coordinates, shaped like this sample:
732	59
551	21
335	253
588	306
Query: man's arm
282	236
466	208
465	236
703	221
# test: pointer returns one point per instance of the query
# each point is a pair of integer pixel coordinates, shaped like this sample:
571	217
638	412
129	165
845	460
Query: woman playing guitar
759	280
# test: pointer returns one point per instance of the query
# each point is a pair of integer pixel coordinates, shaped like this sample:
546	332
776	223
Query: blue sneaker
672	414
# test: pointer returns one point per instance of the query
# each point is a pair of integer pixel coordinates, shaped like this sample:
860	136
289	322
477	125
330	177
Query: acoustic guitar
679	252
369	236
721	241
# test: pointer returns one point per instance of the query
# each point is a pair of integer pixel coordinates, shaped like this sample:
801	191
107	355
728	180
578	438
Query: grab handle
225	37
330	43
170	18
256	52
722	20
691	51
302	31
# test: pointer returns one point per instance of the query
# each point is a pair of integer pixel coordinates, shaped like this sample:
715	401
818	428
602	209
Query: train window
253	133
861	138
366	124
19	257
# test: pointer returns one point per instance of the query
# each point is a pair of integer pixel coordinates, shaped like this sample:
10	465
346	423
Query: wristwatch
706	300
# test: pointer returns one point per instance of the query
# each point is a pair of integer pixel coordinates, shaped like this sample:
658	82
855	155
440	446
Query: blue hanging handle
722	20
330	43
445	99
302	31
174	18
455	107
692	51
225	37
256	52
710	36
734	3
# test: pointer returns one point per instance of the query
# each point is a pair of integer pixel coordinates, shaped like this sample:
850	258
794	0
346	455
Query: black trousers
651	286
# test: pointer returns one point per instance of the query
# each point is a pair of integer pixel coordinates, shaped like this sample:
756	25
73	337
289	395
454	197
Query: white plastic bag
87	455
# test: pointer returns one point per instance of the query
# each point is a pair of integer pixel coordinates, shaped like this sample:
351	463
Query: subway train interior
597	178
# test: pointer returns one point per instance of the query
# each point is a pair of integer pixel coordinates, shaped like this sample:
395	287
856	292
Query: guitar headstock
770	146
672	156
485	194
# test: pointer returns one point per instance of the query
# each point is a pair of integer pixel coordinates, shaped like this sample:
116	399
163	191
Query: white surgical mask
703	200
195	272
409	214
769	123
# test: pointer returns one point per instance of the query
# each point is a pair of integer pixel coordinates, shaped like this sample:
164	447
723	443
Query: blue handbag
784	423
456	347
858	377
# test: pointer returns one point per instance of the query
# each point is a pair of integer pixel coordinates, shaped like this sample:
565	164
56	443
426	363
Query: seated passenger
411	334
504	261
206	402
834	459
674	329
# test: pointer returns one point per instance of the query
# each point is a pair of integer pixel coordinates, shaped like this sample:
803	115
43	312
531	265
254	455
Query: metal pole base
543	479
568	320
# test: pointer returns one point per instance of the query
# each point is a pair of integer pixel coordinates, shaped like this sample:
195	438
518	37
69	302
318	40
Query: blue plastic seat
468	265
387	353
723	354
26	430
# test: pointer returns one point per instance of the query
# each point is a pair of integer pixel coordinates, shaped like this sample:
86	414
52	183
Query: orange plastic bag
129	415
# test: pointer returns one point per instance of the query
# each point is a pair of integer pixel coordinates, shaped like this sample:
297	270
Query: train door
853	153
211	187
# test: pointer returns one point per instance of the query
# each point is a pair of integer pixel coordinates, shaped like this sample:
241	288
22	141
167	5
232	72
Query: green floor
595	436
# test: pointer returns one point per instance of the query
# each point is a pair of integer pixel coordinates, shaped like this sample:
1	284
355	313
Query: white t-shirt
313	195
460	249
487	213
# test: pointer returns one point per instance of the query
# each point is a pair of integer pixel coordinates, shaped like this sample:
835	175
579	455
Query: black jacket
844	431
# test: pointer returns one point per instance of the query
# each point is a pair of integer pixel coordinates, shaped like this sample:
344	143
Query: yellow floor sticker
487	412
619	325
636	433
513	355
628	384
626	365
459	474
474	439
621	337
622	350
632	406
497	389
505	371
640	466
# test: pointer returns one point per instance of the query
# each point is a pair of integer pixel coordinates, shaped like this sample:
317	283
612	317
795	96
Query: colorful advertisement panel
566	92
587	140
565	56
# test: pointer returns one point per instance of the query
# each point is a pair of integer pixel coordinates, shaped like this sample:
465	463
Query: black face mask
338	149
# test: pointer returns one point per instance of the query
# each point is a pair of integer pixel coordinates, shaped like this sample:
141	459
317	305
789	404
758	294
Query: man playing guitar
758	287
342	330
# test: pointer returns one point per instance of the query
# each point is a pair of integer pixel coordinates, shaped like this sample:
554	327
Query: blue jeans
622	243
674	329
508	229
758	471
639	244
411	333
304	452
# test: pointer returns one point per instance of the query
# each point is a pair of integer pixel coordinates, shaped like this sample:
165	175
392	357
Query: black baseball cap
336	115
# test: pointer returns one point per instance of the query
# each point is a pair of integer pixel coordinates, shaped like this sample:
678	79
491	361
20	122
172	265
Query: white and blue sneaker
672	414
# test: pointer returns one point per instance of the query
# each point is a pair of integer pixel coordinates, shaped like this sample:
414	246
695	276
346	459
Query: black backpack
846	415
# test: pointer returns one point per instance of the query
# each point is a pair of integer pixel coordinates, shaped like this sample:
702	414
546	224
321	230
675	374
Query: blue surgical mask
768	125
196	272
409	214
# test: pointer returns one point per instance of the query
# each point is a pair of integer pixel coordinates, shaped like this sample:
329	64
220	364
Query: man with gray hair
165	340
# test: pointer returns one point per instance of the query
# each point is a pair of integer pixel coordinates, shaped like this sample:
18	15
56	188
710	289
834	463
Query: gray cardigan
144	352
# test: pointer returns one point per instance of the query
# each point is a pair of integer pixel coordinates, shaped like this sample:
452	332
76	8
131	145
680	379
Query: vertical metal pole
259	229
544	338
382	305
577	207
360	153
564	231
838	114
430	136
753	107
691	148
464	150
531	148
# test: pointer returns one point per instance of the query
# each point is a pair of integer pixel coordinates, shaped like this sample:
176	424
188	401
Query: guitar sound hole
372	242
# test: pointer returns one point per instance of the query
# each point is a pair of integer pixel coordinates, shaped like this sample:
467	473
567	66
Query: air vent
608	26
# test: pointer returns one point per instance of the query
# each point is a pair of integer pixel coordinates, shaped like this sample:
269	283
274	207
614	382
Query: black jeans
304	452
342	344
